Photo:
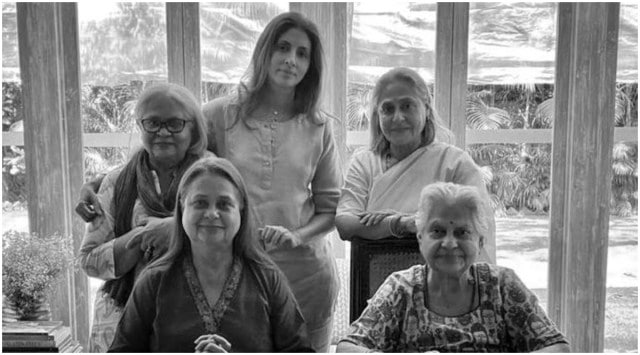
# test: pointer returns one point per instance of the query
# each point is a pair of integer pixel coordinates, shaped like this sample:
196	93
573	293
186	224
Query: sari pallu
399	187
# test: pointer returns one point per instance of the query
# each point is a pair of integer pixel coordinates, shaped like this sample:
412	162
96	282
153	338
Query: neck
161	167
212	263
444	284
280	99
401	151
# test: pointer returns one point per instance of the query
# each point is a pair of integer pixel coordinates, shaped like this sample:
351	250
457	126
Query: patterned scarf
136	181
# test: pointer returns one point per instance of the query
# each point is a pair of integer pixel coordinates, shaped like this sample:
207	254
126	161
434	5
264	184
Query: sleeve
378	327
96	251
135	326
326	182
355	192
527	325
214	115
288	327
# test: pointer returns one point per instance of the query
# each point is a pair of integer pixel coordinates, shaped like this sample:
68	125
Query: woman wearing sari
115	247
382	186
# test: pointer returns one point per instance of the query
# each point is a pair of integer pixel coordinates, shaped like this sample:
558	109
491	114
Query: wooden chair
372	261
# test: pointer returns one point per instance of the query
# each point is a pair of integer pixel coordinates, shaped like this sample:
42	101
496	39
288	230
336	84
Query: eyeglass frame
164	124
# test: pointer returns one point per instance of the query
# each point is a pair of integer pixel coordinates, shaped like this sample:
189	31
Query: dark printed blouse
508	318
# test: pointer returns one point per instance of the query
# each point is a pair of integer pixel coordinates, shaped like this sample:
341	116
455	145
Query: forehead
397	90
212	184
162	105
446	213
296	37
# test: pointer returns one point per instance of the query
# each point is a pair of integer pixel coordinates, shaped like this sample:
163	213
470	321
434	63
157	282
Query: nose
290	59
397	115
212	213
449	241
163	131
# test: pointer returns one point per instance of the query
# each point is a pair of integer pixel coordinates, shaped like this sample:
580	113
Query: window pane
14	179
122	49
228	34
621	307
385	35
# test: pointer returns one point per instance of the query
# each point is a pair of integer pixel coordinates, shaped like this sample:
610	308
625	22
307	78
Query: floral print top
508	318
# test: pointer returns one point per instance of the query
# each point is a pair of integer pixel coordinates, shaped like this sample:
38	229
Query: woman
381	189
115	247
272	131
214	290
452	303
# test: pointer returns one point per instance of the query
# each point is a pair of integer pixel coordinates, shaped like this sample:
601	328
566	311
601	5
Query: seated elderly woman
452	303
408	150
215	290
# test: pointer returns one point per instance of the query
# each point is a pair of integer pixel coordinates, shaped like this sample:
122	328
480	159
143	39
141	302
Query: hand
153	238
278	236
88	207
373	218
408	224
212	343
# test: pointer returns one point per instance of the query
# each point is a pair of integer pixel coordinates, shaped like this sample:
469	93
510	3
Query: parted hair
433	128
245	242
307	92
439	194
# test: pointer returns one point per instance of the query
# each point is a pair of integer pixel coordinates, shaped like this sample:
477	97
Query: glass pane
122	49
228	34
385	35
14	179
621	307
510	84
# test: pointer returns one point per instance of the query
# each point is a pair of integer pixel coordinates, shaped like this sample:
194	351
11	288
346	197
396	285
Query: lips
288	72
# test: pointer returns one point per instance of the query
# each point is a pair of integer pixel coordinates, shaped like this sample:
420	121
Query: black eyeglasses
173	125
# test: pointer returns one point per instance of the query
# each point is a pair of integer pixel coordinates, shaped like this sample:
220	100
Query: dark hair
433	127
245	243
307	92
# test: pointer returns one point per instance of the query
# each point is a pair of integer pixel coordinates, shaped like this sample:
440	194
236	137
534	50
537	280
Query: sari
368	187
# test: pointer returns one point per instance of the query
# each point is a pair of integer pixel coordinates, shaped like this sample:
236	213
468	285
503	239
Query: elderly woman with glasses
115	247
453	303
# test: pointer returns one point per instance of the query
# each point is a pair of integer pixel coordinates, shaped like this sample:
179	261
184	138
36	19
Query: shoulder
496	276
363	156
110	178
153	276
405	281
217	105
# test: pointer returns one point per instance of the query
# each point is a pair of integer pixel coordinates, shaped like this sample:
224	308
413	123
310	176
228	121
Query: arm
214	115
527	326
136	324
287	324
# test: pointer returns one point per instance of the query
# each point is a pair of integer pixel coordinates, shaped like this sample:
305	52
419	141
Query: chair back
372	261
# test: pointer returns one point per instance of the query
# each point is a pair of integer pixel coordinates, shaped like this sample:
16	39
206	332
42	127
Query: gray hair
449	194
183	97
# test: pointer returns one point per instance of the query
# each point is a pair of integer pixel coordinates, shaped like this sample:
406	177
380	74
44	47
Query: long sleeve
287	324
96	253
527	326
326	182
136	324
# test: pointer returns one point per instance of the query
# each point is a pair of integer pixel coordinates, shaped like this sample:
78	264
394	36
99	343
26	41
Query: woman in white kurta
283	146
116	246
383	183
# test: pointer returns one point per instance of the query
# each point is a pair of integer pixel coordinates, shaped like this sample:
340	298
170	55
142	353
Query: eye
224	205
462	233
386	108
406	106
302	53
175	124
283	47
437	232
200	203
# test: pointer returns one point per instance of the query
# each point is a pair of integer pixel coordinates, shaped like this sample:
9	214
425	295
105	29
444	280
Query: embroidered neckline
212	317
